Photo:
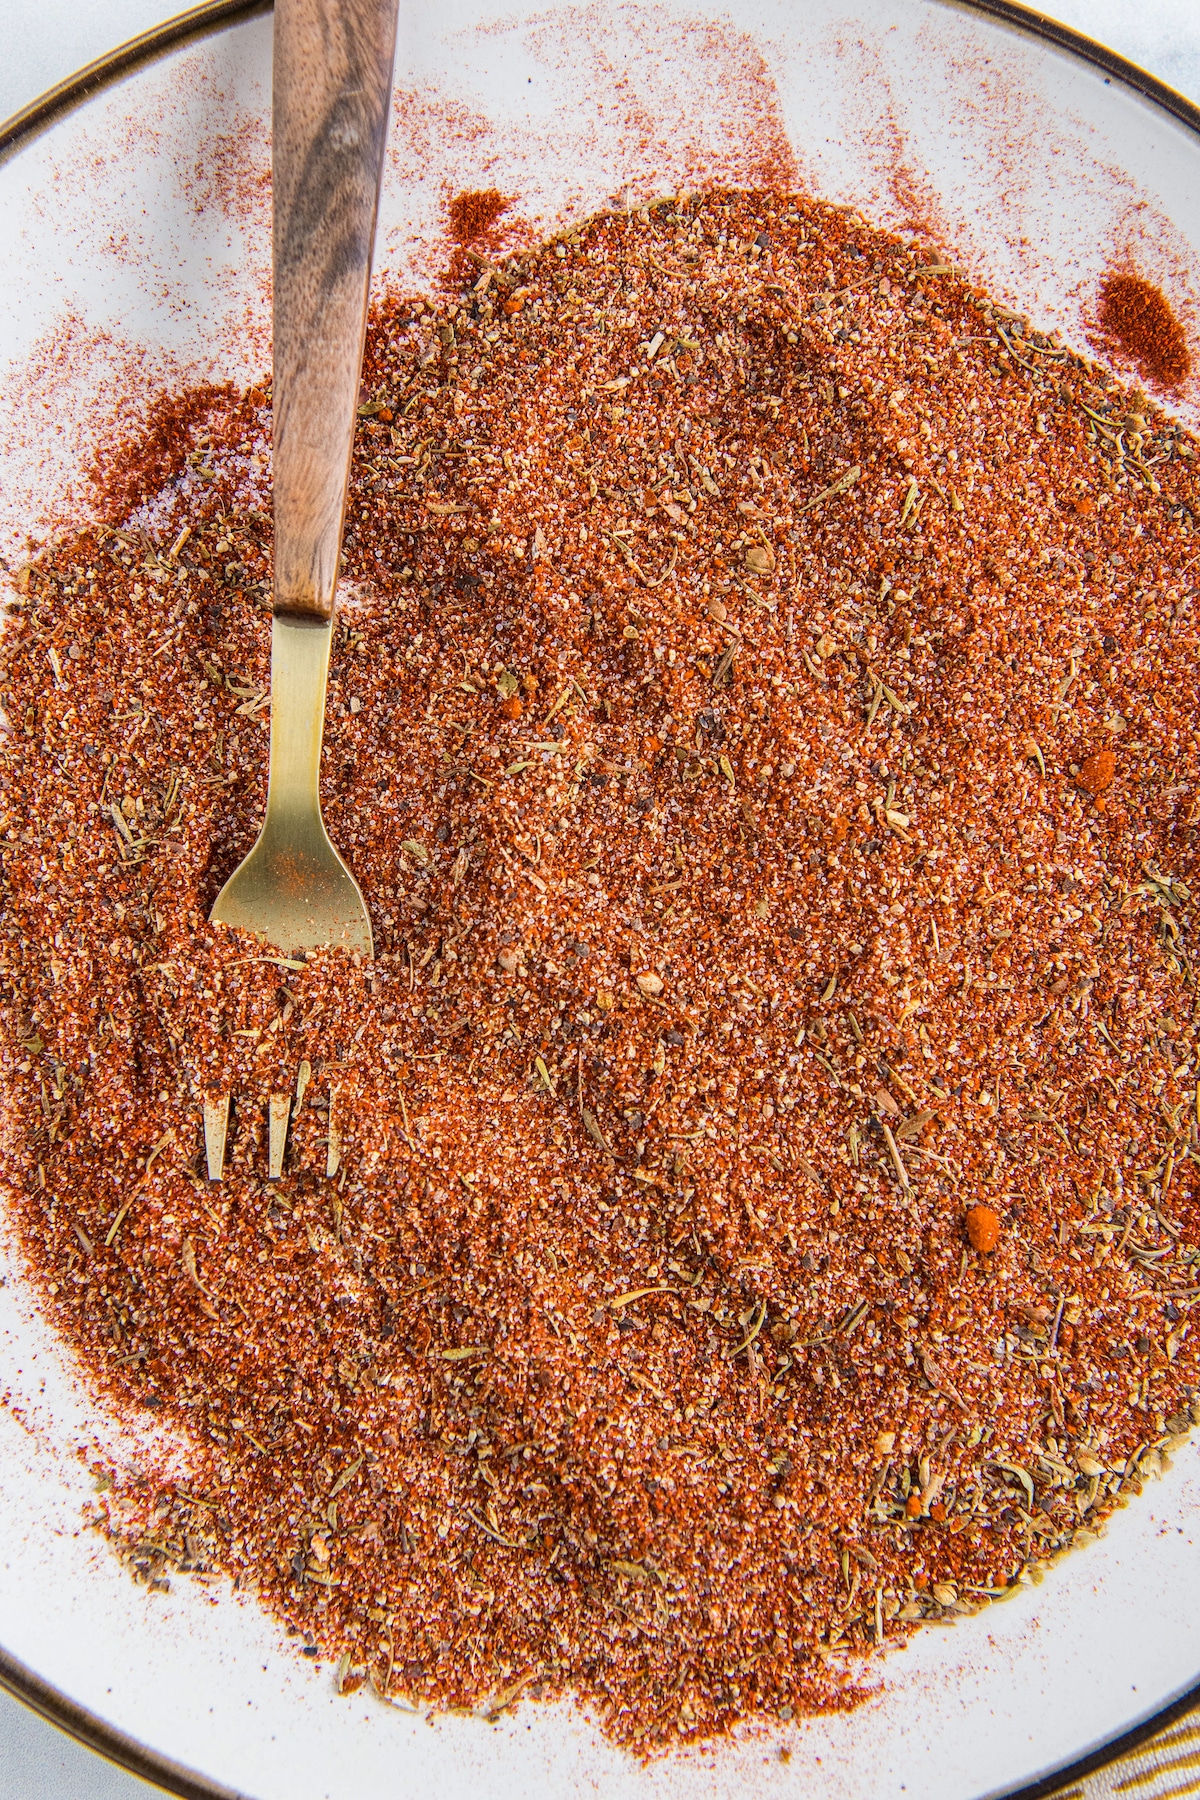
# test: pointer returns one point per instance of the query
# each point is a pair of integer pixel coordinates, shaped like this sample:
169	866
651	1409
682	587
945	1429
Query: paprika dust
1138	319
749	1206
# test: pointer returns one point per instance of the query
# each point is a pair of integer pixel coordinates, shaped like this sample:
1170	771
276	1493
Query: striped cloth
1165	1767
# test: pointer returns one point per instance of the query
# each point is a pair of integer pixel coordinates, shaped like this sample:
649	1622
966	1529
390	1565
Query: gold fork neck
299	675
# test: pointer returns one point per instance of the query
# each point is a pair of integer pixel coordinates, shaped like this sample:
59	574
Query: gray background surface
47	40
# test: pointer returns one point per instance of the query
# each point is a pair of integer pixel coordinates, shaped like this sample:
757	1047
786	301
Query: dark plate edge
1029	21
211	15
1070	1774
197	21
86	1728
15	132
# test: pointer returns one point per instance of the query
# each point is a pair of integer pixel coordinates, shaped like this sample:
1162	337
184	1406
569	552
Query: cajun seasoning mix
749	1206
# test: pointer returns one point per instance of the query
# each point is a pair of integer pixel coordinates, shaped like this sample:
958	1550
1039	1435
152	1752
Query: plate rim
45	109
17	1679
29	121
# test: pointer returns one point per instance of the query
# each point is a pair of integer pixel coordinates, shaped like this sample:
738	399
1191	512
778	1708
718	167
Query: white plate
136	237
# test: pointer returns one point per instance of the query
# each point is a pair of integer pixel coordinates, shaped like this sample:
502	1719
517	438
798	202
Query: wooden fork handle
332	96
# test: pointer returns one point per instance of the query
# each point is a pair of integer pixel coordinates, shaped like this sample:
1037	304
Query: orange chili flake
1097	771
983	1228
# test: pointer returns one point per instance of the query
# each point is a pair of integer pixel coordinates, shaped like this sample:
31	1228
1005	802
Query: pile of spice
1139	325
749	1206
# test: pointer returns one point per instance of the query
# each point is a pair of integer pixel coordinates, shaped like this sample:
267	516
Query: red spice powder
1138	319
768	1127
125	474
472	214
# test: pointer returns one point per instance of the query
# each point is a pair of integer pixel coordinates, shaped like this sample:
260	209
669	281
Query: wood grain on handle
332	96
